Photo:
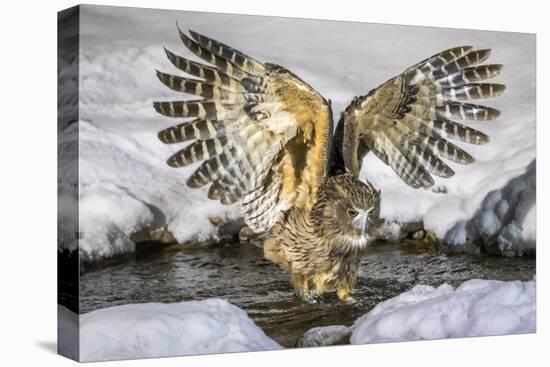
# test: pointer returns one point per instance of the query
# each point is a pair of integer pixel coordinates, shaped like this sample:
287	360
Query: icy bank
161	330
475	308
506	221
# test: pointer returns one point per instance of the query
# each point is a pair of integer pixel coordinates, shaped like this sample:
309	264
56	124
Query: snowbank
475	308
125	185
161	330
506	221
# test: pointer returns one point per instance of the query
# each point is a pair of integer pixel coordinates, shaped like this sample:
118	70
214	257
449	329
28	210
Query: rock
248	236
245	234
230	229
508	238
161	235
418	235
497	227
215	220
325	335
227	231
395	231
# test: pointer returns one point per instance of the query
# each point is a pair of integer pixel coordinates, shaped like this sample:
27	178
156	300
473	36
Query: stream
239	274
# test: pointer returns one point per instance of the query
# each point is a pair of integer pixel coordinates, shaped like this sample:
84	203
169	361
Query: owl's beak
362	221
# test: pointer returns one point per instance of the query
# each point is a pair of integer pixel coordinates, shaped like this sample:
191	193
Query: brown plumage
264	137
321	248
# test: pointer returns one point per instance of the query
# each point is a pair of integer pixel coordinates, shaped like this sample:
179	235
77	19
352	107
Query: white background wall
28	156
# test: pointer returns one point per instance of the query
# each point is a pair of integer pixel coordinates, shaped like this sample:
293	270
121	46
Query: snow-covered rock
475	308
162	330
506	221
125	186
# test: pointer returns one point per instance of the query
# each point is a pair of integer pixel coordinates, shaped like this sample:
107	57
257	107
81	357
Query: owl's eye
353	213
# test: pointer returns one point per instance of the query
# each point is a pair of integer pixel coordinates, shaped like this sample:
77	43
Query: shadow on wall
505	223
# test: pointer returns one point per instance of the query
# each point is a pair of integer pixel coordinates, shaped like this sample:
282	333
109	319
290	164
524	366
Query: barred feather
469	59
197	151
454	130
215	191
413	174
239	59
250	114
411	145
448	150
224	65
443	128
473	91
200	88
467	75
467	111
436	61
197	129
203	109
210	170
407	120
227	189
210	74
221	166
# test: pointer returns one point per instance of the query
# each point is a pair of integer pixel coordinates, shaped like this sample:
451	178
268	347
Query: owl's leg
320	282
346	282
343	291
302	289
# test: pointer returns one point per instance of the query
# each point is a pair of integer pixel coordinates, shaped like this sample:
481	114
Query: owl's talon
349	301
344	295
308	296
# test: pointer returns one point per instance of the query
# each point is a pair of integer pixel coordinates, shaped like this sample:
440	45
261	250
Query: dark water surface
239	274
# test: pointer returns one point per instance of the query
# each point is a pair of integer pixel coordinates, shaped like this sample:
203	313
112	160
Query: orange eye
353	213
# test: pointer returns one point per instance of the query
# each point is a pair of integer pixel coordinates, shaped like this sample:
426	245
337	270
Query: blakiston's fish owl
265	139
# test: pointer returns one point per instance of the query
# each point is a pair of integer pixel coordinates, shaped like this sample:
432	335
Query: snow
161	330
476	308
506	220
125	186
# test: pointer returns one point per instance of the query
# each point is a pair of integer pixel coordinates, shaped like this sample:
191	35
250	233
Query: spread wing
261	133
407	120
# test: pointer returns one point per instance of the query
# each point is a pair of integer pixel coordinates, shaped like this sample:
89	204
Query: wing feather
260	133
407	120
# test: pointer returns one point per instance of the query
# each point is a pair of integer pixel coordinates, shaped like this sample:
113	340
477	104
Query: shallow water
239	274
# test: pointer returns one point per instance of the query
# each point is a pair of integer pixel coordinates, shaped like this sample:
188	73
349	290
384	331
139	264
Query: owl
264	138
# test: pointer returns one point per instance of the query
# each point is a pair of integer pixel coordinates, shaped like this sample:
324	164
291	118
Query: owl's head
347	210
